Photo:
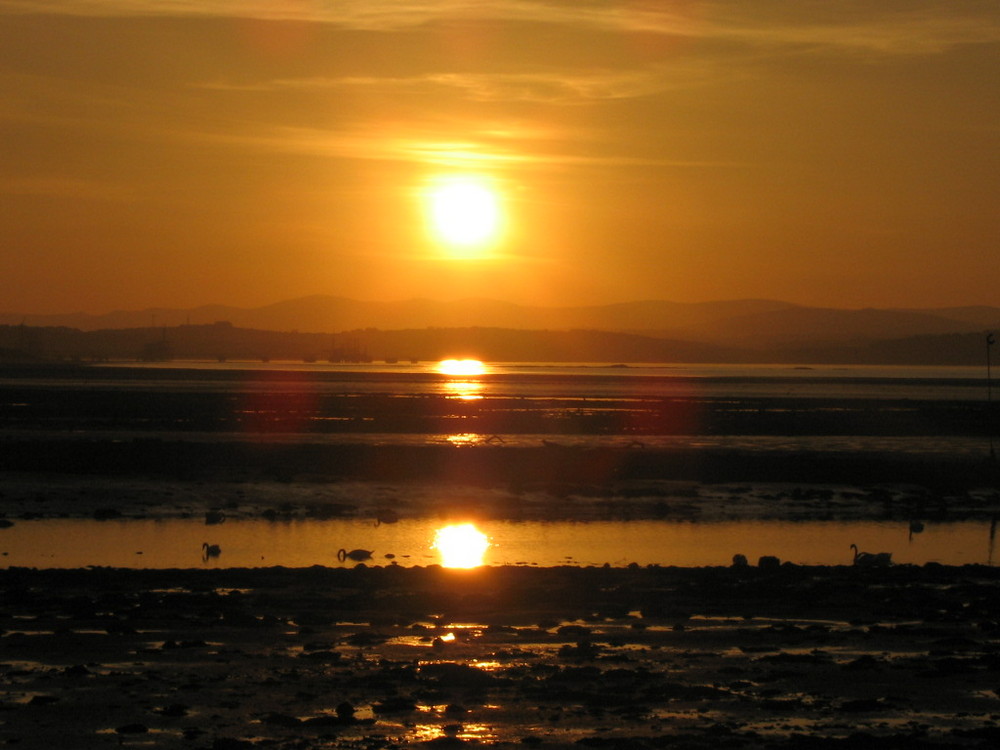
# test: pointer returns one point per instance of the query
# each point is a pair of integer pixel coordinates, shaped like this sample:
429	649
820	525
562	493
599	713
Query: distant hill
733	324
223	341
827	326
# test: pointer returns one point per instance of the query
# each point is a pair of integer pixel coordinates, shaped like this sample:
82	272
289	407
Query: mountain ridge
741	323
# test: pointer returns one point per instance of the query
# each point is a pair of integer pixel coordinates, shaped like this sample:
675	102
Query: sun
461	545
464	212
461	367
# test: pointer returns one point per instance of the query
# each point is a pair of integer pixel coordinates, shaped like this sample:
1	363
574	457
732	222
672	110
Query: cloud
361	14
491	149
887	27
562	86
552	87
911	31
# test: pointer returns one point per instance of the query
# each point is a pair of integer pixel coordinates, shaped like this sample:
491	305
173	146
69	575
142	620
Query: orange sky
185	152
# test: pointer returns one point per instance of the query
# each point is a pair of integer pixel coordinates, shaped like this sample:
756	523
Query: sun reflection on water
461	545
466	390
457	732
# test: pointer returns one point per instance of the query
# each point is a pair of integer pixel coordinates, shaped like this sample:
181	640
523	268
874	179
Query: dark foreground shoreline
789	657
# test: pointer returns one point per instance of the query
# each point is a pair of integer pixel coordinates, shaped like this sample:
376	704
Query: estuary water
925	411
177	543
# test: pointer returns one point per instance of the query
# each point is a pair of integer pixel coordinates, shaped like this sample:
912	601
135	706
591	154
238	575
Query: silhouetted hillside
739	324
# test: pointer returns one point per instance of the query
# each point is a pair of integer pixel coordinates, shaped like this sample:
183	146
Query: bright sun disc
461	367
461	545
464	212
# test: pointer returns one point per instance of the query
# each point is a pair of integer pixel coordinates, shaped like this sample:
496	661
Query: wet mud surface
373	657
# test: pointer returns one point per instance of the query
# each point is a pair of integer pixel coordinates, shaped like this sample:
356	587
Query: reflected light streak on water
464	390
177	543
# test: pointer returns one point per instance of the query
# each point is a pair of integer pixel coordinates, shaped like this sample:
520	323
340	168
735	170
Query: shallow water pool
178	543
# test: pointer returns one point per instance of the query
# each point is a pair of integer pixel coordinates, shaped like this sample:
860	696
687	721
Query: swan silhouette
210	550
213	517
871	559
354	554
385	515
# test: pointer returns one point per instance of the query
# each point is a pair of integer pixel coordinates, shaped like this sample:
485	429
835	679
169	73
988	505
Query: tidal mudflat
387	657
767	655
771	654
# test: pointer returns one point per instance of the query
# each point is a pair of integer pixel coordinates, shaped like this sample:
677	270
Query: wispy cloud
495	149
889	27
365	14
911	31
554	87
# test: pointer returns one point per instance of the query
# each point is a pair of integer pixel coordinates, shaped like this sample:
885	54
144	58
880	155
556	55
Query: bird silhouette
354	554
871	559
213	517
210	550
385	515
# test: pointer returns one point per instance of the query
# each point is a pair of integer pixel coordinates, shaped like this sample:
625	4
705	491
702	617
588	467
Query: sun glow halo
461	545
464	212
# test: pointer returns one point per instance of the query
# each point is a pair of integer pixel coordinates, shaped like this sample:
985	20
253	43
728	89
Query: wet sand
789	657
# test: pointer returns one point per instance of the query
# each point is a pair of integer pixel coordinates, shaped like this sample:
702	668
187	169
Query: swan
386	515
354	554
210	550
871	559
213	517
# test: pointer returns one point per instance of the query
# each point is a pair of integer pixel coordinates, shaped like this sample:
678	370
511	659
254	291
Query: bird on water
872	559
354	554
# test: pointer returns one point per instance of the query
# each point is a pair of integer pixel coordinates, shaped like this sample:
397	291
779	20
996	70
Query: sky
175	153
